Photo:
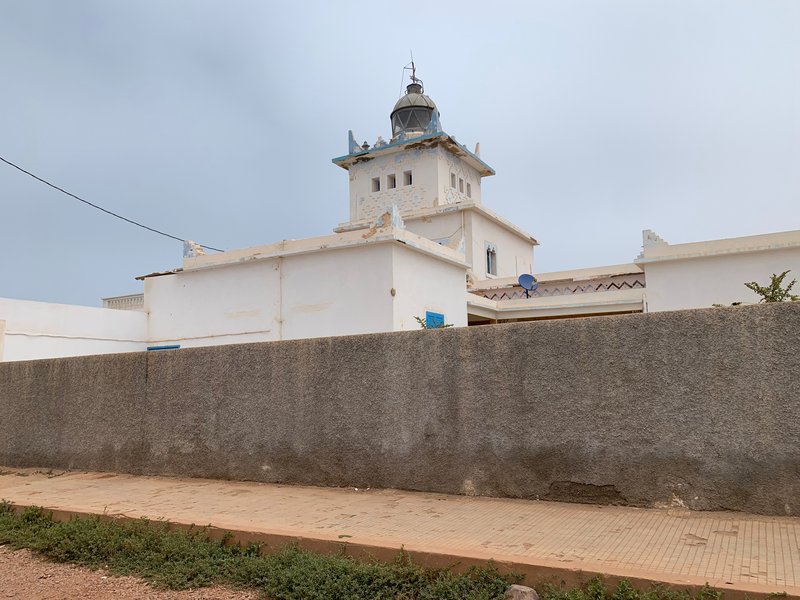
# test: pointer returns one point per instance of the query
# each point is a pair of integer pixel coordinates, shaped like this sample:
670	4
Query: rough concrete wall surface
696	407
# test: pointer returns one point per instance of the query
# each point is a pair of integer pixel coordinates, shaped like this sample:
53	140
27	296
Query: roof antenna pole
409	67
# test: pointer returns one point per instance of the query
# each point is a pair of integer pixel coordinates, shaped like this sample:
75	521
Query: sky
217	121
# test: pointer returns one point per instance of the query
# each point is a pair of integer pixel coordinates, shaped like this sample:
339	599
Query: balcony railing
129	302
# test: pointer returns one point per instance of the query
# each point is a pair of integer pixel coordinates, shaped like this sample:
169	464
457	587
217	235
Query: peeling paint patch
310	308
243	314
381	223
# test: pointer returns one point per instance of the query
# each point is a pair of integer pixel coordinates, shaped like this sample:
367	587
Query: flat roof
351	239
751	243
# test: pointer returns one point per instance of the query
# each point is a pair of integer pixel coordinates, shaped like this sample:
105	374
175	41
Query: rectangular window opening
391	182
469	191
491	259
376	184
407	178
461	185
453	180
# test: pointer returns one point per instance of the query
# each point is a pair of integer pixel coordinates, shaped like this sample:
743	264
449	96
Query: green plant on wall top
774	292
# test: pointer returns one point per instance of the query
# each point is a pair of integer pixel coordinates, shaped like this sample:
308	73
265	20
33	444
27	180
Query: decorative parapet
656	250
129	302
650	239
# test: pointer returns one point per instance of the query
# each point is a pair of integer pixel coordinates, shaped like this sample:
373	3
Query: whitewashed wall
422	284
340	291
45	330
366	204
703	281
439	226
430	169
449	163
307	295
514	254
234	304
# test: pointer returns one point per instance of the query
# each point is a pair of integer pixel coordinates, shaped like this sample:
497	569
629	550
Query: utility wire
113	214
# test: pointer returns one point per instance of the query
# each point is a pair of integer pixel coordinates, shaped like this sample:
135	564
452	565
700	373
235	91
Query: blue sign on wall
433	320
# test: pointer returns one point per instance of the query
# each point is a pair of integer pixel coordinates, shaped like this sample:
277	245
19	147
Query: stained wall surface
514	254
703	281
699	274
430	168
47	330
693	407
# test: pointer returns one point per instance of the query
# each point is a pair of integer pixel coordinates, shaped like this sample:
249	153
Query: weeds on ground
180	559
595	589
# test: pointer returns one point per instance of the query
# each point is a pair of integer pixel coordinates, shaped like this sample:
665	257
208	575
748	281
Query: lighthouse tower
435	184
420	167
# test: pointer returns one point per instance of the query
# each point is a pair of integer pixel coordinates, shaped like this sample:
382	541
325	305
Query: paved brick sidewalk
733	551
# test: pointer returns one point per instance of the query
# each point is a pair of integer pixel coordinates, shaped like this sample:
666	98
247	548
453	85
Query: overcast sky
216	121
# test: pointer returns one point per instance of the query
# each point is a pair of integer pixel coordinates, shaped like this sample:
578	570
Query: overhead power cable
100	208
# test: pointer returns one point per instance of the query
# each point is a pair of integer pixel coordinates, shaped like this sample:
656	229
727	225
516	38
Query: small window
491	259
376	184
407	179
391	182
453	180
469	191
461	185
433	320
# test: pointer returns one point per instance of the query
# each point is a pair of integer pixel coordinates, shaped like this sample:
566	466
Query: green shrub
774	291
595	589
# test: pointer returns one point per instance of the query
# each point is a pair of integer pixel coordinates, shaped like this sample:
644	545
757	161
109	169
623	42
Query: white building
420	244
663	277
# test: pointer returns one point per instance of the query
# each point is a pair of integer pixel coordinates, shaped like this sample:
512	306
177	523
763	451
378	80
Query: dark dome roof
414	97
413	112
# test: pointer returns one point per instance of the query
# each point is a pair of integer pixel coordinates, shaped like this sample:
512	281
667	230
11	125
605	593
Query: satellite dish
528	282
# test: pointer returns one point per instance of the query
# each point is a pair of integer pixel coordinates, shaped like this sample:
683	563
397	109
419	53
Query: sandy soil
28	577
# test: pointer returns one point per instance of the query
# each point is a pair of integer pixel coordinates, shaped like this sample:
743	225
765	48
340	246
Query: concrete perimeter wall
696	407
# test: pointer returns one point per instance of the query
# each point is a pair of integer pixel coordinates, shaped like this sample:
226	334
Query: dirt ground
27	577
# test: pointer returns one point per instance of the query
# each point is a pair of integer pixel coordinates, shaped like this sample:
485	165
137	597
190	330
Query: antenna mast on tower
413	68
